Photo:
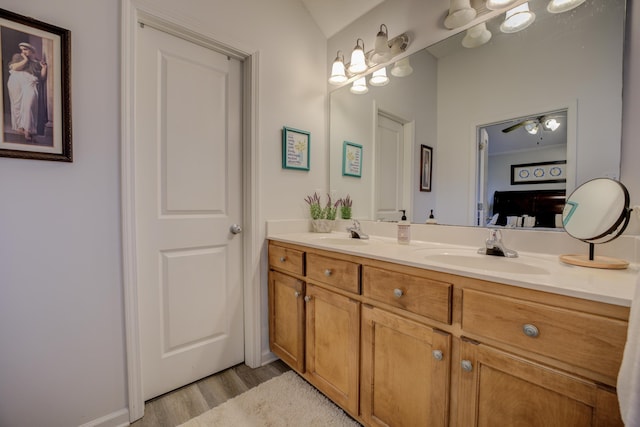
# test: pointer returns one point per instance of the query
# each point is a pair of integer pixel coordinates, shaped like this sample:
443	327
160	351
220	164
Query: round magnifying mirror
596	212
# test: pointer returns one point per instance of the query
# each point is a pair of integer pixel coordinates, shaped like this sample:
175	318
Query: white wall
62	361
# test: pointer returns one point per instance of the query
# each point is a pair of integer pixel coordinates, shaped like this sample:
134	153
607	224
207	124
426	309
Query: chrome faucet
495	246
356	232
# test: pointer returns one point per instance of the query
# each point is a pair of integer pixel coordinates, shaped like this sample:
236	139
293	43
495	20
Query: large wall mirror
567	64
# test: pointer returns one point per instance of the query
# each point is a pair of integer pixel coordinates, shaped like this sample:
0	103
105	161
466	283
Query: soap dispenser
431	219
404	232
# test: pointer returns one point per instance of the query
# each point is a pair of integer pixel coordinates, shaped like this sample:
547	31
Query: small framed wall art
539	173
36	92
426	161
351	159
295	148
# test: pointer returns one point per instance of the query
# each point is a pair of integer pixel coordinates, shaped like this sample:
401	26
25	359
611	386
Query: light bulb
517	19
358	63
338	75
379	77
359	86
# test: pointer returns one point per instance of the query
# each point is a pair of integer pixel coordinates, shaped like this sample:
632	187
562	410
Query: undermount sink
346	241
469	258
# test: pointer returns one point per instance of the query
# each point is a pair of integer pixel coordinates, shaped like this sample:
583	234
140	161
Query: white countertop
530	270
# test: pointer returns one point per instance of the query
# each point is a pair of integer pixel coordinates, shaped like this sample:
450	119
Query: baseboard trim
115	419
268	357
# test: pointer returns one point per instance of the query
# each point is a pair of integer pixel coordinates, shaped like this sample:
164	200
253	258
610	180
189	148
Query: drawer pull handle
398	293
307	298
297	294
466	366
328	273
437	354
530	330
283	259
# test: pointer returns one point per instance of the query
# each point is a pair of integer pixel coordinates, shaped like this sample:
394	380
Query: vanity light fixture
358	63
517	19
559	6
476	36
359	86
338	75
402	68
498	4
362	63
460	14
379	77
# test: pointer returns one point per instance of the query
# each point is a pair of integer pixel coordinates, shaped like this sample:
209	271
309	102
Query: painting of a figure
35	98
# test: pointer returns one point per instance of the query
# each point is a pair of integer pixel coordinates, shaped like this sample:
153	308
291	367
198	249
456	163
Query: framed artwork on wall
426	161
36	92
351	159
295	148
539	173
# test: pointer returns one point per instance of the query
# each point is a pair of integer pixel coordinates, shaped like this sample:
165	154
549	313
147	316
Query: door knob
235	229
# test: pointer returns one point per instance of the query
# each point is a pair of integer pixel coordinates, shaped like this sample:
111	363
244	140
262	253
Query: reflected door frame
404	171
493	117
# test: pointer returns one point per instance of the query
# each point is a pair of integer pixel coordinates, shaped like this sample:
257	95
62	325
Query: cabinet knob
328	272
437	354
466	366
307	298
297	294
283	259
530	330
398	293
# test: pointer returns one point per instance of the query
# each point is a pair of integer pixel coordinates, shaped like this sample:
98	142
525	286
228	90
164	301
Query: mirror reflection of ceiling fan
533	124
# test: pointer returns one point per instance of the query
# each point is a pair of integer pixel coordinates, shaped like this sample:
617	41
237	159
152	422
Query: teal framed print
295	148
351	159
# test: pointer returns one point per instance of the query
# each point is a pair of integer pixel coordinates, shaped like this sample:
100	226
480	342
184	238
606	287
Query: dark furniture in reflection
543	204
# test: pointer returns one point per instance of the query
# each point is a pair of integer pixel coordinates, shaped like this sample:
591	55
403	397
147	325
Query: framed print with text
351	159
295	148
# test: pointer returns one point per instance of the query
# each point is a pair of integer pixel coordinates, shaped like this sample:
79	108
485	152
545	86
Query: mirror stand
594	261
596	212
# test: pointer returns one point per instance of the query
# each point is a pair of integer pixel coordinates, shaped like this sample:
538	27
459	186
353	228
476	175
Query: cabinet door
286	319
498	388
332	355
405	371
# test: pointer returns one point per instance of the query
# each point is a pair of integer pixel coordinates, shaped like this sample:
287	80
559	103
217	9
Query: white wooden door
188	193
389	169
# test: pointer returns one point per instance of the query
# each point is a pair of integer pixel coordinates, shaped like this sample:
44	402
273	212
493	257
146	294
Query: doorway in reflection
522	171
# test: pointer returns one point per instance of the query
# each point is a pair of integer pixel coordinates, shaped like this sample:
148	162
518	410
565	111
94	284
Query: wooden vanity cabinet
395	345
552	361
332	345
405	371
286	319
314	324
499	388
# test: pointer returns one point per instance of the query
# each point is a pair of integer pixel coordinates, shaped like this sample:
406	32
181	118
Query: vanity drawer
335	272
426	297
286	259
586	340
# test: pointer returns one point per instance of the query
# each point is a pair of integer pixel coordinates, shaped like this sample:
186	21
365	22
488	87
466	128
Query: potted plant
322	218
345	207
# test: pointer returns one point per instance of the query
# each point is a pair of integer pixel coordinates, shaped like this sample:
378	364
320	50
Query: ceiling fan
533	124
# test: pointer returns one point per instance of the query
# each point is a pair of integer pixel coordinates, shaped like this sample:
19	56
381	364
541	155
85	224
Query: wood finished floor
179	406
